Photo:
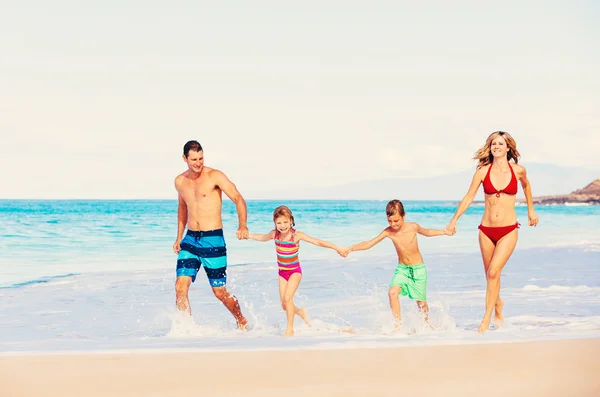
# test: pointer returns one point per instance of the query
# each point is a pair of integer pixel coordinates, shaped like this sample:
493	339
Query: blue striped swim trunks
203	248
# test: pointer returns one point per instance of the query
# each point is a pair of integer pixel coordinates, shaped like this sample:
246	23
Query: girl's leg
287	301
504	249
487	251
393	293
299	312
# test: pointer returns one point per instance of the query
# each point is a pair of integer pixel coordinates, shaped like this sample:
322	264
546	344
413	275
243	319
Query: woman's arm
533	219
467	199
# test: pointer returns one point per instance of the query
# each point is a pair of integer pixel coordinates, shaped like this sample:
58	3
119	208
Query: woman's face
499	148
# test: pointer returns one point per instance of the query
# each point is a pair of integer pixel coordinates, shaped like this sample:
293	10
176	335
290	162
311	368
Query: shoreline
548	368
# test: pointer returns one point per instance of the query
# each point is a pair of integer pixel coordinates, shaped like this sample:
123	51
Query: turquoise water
99	274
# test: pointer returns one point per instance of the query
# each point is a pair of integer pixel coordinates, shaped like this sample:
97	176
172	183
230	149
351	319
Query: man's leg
182	286
232	304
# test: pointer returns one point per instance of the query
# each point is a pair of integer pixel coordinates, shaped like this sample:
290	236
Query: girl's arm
315	241
365	245
533	219
321	243
262	237
432	232
468	199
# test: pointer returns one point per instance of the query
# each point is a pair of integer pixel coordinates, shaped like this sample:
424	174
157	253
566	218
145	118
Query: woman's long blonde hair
484	154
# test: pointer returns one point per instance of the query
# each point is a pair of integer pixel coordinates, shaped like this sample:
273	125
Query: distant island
588	195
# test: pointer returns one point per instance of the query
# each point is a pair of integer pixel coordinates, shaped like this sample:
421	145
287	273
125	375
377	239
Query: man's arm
182	216
234	195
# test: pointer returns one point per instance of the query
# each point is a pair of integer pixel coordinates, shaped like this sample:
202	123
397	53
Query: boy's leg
424	309
393	293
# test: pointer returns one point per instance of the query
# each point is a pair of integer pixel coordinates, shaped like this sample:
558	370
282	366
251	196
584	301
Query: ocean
98	275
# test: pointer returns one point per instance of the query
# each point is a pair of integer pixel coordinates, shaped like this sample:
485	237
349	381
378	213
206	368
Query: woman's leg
504	249
487	248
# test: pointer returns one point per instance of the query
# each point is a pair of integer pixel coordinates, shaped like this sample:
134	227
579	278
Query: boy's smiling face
395	221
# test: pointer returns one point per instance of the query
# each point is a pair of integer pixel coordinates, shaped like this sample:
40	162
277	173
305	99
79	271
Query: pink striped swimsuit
287	256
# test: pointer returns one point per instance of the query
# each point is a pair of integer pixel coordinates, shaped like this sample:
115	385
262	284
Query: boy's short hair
191	146
394	207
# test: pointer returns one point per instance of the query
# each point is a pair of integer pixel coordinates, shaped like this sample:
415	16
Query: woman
498	231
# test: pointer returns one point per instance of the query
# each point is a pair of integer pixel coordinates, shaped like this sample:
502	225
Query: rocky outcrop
588	195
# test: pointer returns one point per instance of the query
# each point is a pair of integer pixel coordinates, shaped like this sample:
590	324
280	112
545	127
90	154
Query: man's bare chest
200	190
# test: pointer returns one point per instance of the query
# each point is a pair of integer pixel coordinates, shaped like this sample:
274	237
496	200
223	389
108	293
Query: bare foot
484	326
289	332
304	316
397	324
242	323
498	316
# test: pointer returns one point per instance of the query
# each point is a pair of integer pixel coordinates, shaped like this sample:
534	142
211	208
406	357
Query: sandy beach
546	368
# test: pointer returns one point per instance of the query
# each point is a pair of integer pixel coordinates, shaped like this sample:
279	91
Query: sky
96	101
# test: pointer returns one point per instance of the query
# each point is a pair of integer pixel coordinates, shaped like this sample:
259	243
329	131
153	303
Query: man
200	191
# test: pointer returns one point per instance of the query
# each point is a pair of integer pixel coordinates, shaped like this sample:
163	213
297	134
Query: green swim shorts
412	280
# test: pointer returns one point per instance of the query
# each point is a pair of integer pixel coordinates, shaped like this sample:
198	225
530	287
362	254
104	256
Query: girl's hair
484	154
394	207
282	210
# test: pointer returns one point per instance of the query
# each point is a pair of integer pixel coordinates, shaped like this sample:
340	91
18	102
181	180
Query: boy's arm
365	245
262	237
432	232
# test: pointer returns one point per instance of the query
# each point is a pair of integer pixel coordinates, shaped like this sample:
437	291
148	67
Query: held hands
343	251
450	230
242	233
533	218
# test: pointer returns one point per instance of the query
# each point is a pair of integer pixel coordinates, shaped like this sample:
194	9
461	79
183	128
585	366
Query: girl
287	244
498	231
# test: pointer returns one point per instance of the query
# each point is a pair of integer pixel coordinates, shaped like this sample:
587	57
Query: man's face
195	160
395	221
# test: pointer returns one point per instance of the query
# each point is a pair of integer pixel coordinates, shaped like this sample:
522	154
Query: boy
410	278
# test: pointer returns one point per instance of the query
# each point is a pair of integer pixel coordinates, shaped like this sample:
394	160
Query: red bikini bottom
496	233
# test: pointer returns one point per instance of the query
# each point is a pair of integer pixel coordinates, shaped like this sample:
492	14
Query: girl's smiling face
283	224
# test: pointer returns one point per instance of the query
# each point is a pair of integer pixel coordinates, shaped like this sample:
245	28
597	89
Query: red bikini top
511	188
